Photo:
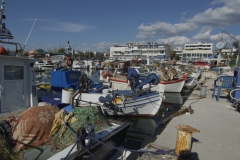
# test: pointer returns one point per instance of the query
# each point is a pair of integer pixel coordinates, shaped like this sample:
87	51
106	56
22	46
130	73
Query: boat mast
29	34
1	26
1	16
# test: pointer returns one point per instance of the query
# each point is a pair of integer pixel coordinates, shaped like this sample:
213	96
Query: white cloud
164	29
174	41
222	13
103	45
225	15
60	26
203	34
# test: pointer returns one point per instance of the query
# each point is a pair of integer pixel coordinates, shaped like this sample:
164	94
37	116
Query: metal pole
1	13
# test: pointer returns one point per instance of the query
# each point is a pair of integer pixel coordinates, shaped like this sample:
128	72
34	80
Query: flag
6	34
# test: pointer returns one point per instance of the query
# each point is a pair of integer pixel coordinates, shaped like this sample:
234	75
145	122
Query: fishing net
154	65
82	115
172	71
162	70
6	152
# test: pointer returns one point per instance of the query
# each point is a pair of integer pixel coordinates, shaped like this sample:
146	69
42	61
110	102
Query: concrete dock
218	123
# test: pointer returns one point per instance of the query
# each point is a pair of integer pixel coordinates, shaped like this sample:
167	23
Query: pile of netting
85	115
6	152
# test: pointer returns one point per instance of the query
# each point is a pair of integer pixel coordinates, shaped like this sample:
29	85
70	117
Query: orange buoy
184	76
3	51
69	61
105	74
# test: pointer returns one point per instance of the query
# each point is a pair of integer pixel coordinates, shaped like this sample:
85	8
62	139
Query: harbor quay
218	125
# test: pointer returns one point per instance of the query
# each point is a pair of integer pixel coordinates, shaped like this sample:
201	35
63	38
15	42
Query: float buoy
69	61
3	51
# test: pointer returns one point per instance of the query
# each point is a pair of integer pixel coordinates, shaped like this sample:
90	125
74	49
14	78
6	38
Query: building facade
196	51
135	50
178	50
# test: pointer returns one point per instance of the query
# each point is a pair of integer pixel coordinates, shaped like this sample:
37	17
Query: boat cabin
17	83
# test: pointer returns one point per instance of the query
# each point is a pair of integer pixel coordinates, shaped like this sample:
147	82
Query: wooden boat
135	101
119	81
143	104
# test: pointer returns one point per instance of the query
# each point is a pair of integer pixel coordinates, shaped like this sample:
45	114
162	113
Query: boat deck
217	122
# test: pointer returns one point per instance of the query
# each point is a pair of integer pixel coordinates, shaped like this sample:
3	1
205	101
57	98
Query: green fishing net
82	114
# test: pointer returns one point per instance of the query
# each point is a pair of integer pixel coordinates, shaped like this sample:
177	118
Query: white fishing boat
143	104
84	64
41	65
137	101
170	84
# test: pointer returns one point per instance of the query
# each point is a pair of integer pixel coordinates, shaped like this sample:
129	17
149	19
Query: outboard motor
83	83
133	77
151	79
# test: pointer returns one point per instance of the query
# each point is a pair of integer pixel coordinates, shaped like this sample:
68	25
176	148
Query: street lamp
237	92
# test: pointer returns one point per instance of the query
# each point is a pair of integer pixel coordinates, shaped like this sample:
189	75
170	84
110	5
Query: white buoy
66	95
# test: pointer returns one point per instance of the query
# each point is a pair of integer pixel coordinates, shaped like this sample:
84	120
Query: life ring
69	61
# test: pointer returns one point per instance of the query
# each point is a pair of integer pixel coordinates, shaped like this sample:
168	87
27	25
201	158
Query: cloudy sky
98	24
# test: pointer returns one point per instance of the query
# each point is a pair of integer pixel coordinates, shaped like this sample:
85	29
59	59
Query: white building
229	51
178	50
197	51
133	50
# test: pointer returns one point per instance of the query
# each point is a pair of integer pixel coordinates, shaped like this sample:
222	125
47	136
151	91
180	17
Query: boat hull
113	136
169	86
173	86
146	106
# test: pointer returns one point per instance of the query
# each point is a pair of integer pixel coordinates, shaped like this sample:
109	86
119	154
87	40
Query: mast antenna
29	34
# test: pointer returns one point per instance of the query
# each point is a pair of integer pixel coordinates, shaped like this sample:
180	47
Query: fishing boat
139	127
84	64
17	82
137	101
170	82
94	145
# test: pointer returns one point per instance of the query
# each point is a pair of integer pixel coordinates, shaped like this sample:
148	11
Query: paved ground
218	122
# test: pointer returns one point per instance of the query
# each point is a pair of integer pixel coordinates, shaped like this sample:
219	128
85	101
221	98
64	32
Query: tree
172	54
40	50
60	50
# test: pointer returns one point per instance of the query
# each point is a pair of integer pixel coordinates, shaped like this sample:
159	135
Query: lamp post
237	93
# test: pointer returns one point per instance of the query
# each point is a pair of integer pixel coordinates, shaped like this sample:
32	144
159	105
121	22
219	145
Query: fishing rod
29	34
